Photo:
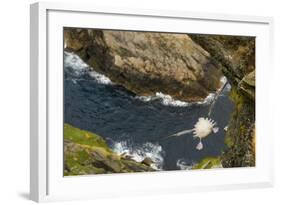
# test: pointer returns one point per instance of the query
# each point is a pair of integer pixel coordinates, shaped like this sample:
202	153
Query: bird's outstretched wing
216	97
180	133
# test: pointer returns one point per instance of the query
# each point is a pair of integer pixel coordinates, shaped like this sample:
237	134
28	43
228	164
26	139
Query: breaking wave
102	79
76	67
74	64
167	100
140	152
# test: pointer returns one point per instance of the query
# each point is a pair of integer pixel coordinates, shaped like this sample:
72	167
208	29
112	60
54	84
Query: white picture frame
46	178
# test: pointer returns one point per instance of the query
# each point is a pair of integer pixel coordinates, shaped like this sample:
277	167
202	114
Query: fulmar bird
202	128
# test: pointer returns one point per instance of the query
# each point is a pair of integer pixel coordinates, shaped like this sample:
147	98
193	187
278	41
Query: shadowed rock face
236	57
146	62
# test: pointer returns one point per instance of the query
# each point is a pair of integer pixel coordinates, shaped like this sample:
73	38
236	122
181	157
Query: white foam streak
139	153
102	79
183	165
75	63
79	67
167	100
208	100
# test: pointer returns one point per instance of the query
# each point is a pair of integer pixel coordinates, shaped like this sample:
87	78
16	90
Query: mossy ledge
86	153
208	163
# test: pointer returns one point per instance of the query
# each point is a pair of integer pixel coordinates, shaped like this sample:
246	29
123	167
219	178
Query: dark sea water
137	124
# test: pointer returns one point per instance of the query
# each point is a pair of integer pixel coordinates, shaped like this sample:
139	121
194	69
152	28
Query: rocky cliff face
236	57
146	62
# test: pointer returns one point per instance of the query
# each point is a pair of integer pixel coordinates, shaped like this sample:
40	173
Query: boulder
147	161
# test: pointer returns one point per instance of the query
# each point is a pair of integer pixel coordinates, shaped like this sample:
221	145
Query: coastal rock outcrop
147	62
86	153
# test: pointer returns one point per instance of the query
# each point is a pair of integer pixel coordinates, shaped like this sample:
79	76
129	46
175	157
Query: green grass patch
208	163
83	137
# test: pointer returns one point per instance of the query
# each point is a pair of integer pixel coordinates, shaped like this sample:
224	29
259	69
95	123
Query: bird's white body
203	128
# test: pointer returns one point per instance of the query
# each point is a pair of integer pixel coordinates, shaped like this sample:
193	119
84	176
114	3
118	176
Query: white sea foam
74	81
139	153
208	100
146	98
167	100
183	165
223	80
102	79
79	67
74	62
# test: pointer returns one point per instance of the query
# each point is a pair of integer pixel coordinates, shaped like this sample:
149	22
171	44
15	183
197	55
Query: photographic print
139	101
